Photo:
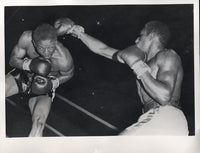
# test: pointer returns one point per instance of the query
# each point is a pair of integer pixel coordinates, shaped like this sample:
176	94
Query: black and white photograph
99	70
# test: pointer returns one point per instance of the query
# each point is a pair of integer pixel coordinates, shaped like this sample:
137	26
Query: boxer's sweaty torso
146	98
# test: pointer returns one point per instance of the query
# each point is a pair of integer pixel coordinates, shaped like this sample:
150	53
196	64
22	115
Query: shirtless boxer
159	74
41	64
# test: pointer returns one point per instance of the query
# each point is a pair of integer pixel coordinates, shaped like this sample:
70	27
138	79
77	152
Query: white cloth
164	120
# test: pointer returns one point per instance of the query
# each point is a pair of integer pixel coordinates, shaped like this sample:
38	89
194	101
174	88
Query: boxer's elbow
65	78
70	73
11	62
164	100
16	62
164	97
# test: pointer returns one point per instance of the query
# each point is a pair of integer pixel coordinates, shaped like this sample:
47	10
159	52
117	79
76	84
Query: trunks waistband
150	105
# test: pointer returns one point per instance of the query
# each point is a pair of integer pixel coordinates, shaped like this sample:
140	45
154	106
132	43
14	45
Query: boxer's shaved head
160	29
44	32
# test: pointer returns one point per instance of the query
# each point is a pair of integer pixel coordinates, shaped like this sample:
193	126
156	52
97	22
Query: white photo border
99	144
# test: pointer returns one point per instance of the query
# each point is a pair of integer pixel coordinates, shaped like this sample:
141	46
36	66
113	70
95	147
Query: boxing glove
63	25
38	65
131	55
134	57
42	85
76	31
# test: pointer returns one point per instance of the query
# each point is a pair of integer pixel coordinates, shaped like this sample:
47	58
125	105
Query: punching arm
96	45
67	26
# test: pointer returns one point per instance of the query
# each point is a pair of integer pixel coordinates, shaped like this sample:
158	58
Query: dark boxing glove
42	85
131	55
134	57
38	65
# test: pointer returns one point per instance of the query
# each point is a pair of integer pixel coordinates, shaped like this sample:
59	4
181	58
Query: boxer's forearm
158	90
16	62
66	77
97	46
17	57
63	79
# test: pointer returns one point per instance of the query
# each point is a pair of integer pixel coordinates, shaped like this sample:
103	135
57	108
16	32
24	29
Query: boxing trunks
160	120
24	80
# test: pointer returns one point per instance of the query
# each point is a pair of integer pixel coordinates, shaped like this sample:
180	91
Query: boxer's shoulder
25	39
27	35
62	51
62	59
167	56
61	64
61	47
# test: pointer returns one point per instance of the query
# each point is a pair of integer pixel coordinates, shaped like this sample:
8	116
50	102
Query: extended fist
38	65
63	25
76	31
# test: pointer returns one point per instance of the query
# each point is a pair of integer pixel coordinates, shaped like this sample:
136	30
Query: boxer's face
45	48
143	41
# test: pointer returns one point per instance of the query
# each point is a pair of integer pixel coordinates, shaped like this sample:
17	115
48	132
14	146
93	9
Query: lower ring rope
86	112
46	125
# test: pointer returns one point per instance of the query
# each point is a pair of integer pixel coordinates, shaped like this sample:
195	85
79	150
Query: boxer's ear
152	35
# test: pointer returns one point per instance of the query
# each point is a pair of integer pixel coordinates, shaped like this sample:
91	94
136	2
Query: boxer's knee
44	104
11	85
39	120
37	126
40	108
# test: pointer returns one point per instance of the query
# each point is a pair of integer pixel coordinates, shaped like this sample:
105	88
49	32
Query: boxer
41	64
159	74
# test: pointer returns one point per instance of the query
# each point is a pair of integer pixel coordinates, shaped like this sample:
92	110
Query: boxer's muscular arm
66	71
97	46
66	75
162	87
92	43
19	51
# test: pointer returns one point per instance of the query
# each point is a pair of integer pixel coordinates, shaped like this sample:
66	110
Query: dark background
103	87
